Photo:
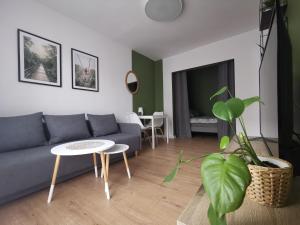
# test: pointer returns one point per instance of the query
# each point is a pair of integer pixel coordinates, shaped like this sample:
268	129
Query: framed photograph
39	60
84	71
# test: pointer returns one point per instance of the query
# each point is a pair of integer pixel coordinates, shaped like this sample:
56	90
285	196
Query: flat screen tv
277	121
268	82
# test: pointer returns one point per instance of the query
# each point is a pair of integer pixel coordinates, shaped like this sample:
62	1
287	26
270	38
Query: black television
276	92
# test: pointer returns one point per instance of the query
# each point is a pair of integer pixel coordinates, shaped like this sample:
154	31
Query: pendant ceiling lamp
163	10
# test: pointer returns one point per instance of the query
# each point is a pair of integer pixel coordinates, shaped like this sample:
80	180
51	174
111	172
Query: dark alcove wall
202	83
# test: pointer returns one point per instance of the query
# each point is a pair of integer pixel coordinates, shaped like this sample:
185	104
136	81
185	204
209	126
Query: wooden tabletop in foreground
250	212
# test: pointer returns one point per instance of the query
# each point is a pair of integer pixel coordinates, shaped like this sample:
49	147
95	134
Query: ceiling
202	22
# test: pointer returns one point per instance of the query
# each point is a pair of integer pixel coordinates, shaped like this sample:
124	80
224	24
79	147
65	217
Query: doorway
192	108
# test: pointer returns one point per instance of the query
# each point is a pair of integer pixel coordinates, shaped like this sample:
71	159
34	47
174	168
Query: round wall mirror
132	82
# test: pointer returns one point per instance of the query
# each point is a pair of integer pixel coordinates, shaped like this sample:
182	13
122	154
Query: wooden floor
142	200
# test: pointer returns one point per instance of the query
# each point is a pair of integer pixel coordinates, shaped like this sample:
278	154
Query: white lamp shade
140	111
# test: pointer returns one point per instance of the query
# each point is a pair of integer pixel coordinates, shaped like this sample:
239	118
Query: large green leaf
236	107
225	181
175	170
229	110
221	111
224	142
214	219
219	92
250	101
171	175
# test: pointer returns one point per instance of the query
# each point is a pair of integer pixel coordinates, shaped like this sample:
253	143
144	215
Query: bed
204	124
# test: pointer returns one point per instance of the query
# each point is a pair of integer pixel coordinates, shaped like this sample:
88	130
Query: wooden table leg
126	164
106	187
107	164
95	164
153	135
56	166
101	168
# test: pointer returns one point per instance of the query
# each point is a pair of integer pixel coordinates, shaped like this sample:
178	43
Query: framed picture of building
39	60
84	71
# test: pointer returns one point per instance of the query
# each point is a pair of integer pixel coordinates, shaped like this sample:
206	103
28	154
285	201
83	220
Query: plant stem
248	144
192	159
230	93
234	132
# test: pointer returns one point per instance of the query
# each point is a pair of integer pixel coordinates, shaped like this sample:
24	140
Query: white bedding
203	119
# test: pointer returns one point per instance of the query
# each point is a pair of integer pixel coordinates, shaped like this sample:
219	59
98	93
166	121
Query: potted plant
227	175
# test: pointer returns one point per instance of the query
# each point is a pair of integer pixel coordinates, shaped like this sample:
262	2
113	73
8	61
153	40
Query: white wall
20	98
243	49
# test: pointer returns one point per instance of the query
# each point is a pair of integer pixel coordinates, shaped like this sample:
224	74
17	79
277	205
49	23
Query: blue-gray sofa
26	163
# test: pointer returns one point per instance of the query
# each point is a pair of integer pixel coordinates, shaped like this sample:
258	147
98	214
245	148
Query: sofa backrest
21	132
33	130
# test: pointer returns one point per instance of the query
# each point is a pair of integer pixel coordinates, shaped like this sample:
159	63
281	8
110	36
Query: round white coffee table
81	148
116	149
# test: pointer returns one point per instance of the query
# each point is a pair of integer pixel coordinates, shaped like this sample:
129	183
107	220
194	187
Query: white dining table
166	126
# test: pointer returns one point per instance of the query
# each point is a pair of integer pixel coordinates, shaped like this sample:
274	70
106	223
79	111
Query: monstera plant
225	175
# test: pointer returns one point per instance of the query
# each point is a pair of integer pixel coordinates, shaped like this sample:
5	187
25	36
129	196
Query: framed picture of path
39	60
84	71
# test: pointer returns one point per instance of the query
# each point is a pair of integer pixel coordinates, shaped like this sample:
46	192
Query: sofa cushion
103	124
65	128
21	132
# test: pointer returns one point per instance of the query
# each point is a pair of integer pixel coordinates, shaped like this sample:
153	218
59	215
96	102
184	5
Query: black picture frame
95	69
27	78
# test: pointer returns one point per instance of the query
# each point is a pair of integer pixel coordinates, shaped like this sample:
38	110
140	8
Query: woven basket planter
270	186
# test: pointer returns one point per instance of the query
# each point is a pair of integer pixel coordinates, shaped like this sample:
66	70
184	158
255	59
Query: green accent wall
158	86
202	83
150	75
293	15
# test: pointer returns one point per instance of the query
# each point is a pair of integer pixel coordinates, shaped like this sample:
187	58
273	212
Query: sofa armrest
130	128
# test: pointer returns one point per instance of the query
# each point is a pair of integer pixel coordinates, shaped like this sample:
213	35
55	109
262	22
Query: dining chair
134	118
158	123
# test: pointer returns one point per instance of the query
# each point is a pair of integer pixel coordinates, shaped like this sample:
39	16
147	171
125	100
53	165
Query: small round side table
81	148
116	149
